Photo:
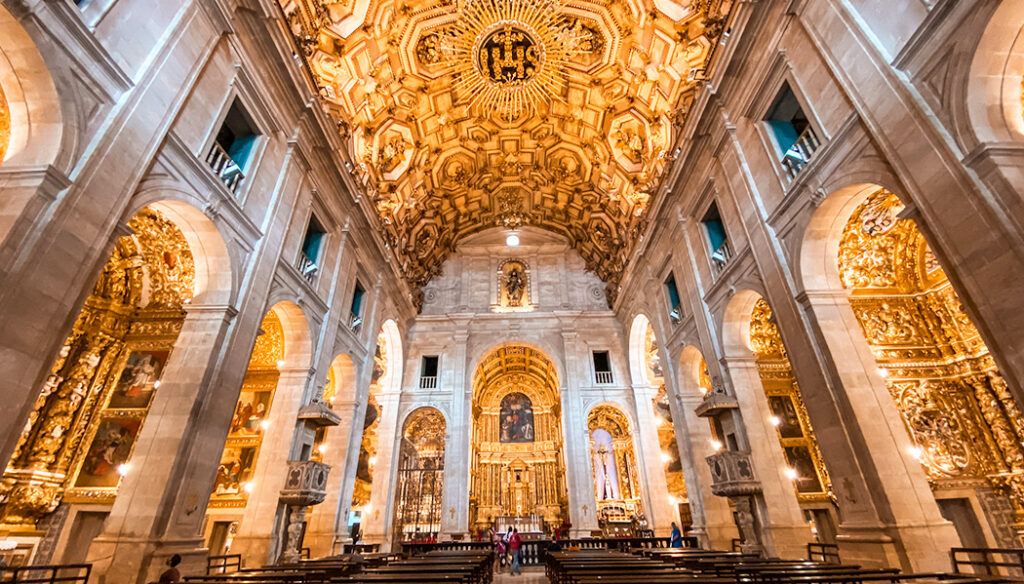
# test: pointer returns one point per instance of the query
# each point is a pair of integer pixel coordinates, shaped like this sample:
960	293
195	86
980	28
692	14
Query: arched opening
419	485
645	363
616	474
78	441
31	128
518	474
361	490
964	427
994	86
260	430
791	422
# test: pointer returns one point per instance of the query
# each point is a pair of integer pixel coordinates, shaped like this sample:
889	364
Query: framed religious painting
250	413
801	461
138	380
516	419
784	409
111	446
236	468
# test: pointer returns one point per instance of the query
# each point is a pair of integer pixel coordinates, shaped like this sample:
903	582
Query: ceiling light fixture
512	240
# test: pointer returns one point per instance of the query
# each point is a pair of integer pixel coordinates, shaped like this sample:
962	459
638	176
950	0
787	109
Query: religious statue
513	284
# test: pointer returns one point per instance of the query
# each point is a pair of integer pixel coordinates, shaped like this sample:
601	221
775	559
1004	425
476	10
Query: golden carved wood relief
411	88
5	125
79	437
967	429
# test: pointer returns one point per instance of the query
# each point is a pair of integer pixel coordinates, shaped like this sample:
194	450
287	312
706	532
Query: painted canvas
110	448
236	467
799	458
516	418
789	423
138	379
250	412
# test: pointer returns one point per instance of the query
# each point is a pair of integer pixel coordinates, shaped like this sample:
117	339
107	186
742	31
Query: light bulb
122	469
373	460
716	445
322	448
512	240
775	421
791	473
156	384
280	363
264	424
883	372
917	452
665	457
248	487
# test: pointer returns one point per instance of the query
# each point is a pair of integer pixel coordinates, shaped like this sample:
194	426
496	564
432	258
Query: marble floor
531	575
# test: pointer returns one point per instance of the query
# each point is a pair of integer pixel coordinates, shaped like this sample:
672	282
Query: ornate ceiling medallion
506	56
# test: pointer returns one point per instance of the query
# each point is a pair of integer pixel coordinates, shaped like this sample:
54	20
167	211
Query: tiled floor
532	575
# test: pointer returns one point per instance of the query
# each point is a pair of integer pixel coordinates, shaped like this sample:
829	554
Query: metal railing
990	561
226	169
226	564
603	377
307	267
721	256
827	553
799	154
51	574
428	382
354	321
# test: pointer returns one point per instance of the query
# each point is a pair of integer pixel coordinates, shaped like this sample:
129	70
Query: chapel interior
285	282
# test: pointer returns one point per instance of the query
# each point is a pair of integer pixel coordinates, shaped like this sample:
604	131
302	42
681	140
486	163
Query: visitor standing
171	575
677	536
514	544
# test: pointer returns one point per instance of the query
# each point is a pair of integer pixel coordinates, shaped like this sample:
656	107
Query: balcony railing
732	474
354	321
721	256
799	154
428	382
675	315
224	167
307	268
603	377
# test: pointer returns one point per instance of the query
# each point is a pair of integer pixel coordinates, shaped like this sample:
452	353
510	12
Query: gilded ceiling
466	115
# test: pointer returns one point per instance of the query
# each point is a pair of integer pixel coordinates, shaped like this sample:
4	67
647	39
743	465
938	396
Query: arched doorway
792	424
78	441
419	483
967	431
616	474
646	362
518	474
365	463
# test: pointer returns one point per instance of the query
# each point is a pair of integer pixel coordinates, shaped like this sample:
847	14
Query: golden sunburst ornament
508	55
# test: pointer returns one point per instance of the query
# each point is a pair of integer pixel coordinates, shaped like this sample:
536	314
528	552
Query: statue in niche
513	284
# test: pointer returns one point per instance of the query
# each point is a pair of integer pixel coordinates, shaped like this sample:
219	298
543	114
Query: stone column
162	499
713	523
328	523
458	449
659	510
377	519
785	532
263	508
917	534
578	466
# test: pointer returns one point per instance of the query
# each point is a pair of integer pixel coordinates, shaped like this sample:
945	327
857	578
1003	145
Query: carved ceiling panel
581	156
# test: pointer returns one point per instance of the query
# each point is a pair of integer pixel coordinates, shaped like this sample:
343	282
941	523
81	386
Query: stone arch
38	134
638	350
694	380
214	281
391	381
736	324
341	384
298	342
420	473
996	74
483	351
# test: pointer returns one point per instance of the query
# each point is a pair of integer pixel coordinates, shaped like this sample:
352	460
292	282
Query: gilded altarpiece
419	484
793	426
78	440
518	469
250	419
5	125
967	428
616	478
